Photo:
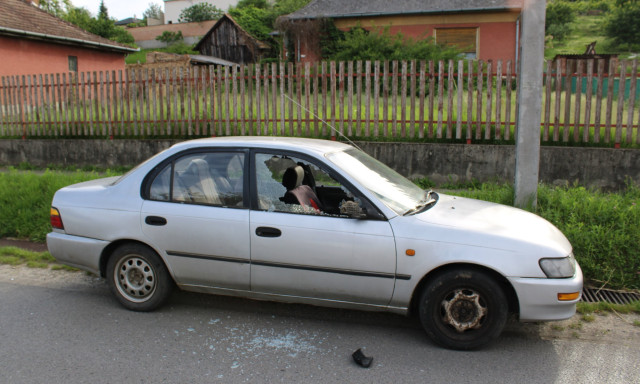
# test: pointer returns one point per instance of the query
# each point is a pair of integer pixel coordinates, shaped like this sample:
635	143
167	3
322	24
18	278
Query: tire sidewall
438	288
164	283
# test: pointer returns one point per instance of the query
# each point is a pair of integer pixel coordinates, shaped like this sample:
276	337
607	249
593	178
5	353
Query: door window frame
378	215
145	186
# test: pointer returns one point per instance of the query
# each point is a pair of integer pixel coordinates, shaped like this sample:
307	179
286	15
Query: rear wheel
138	277
463	309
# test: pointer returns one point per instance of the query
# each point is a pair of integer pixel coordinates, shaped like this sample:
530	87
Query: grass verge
19	256
588	309
25	199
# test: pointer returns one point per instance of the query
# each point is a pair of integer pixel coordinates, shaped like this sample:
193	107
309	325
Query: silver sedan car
315	222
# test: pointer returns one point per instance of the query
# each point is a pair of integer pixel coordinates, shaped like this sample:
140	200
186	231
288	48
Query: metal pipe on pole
529	104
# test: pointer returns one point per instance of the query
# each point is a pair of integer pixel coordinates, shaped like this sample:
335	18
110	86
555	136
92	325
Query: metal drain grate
594	295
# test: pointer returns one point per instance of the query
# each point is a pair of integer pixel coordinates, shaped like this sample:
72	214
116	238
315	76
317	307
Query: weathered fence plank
440	98
459	92
450	88
480	81
632	101
488	120
619	114
403	100
421	107
576	114
498	133
609	110
587	105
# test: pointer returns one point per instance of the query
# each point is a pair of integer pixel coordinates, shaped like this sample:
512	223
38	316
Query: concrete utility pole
529	104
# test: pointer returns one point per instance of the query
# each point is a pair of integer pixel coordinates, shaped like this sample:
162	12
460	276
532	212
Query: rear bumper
538	298
80	252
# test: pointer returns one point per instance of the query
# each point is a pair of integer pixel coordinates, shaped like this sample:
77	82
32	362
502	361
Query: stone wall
597	167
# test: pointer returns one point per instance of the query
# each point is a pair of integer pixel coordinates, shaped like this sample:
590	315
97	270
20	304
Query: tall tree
103	14
200	12
622	25
80	17
153	12
57	8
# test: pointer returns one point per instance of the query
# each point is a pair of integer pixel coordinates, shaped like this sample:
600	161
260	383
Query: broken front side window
290	184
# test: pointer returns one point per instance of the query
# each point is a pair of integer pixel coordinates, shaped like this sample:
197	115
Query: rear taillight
56	220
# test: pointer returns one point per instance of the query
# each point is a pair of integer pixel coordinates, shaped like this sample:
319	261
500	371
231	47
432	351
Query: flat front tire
138	277
463	309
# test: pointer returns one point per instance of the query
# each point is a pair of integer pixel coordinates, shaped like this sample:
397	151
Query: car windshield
393	189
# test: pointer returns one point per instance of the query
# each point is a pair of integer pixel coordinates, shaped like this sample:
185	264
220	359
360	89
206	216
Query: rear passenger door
195	213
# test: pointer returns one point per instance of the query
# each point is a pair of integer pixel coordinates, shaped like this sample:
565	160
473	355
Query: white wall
172	8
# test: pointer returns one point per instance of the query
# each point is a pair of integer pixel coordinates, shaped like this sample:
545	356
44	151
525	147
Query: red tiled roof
17	18
368	8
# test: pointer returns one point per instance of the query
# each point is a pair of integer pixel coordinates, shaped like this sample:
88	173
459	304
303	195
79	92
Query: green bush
622	25
602	227
559	17
170	37
586	6
257	21
360	44
200	12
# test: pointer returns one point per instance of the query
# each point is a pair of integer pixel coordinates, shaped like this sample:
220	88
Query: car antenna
326	123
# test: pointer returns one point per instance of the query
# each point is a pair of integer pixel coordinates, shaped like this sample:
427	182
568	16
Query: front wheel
463	309
138	278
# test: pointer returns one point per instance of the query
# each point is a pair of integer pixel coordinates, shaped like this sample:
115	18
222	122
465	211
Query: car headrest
293	177
198	167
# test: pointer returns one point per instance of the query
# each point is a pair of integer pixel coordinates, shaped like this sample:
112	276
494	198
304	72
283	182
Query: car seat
298	193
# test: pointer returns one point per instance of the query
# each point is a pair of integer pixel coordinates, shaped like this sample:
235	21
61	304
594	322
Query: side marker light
568	296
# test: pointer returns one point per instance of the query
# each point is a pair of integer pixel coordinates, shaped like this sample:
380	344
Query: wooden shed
228	41
569	62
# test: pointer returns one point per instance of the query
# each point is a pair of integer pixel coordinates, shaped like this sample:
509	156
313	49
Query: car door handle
268	232
155	220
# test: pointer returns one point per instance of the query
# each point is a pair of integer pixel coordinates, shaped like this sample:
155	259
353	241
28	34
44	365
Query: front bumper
538	298
80	252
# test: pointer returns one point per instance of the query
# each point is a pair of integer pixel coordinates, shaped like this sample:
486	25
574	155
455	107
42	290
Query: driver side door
312	253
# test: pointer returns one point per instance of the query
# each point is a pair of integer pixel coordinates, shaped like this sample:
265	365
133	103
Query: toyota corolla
316	222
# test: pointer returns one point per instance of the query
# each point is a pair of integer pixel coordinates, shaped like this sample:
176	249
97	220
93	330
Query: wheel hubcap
135	279
464	309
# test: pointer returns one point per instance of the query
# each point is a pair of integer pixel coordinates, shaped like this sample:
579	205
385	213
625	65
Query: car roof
272	142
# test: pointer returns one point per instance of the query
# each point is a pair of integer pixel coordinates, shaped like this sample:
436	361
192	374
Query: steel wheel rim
135	279
463	310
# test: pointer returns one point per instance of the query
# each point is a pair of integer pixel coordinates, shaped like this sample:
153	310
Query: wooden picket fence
463	101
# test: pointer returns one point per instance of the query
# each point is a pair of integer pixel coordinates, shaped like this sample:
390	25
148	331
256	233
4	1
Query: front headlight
557	268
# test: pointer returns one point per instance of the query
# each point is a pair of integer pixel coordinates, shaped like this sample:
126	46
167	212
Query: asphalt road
60	327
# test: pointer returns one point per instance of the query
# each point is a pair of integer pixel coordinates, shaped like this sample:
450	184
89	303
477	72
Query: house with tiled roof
481	29
33	41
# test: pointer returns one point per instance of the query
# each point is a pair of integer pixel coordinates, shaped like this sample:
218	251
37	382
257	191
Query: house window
73	63
463	39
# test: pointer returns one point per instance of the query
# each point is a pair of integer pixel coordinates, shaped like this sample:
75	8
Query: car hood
481	223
